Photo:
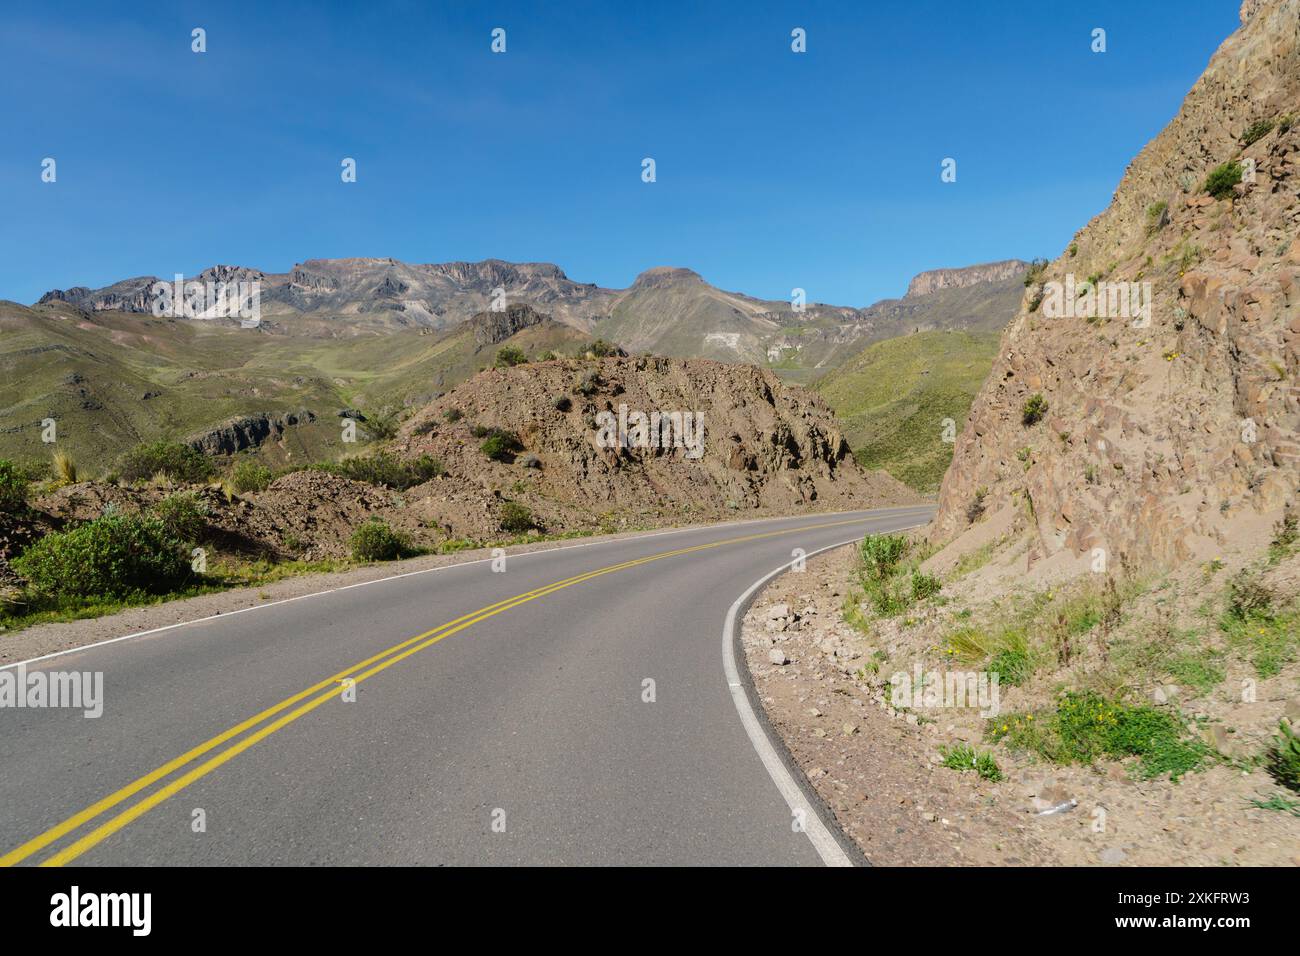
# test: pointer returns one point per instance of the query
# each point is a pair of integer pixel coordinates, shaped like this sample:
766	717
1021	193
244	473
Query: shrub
1035	272
386	470
1156	216
114	556
889	582
1256	131
975	510
13	486
587	385
1034	409
1249	598
453	415
250	475
529	461
561	403
509	356
375	541
183	515
177	461
1222	178
516	519
500	445
1284	757
602	349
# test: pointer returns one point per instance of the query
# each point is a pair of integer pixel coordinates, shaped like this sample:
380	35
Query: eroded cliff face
1165	341
925	283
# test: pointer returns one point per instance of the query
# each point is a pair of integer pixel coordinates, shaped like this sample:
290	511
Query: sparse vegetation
13	486
1032	412
1085	727
65	468
516	519
1256	131
385	470
1222	178
602	349
561	403
1283	760
1156	216
170	459
500	445
248	474
975	510
963	757
1035	272
453	415
890	576
508	356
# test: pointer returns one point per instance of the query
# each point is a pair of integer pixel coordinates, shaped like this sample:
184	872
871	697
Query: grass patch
890	577
964	758
1086	727
1222	178
1283	759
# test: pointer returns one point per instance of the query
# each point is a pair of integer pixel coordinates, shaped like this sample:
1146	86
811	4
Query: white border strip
827	847
442	567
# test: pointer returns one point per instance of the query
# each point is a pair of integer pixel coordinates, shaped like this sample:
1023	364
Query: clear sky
774	169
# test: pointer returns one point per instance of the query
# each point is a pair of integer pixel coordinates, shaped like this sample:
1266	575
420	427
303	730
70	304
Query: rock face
493	327
925	283
1169	432
248	431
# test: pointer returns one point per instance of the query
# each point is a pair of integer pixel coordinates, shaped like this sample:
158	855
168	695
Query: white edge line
827	847
407	574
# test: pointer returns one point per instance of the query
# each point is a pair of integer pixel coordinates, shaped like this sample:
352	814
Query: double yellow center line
324	691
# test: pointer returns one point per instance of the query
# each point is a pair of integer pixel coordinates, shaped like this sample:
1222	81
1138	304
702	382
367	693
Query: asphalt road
518	735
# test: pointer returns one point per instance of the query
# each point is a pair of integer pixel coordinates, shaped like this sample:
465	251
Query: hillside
111	380
894	396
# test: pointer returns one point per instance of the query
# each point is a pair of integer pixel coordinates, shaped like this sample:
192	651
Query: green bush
888	572
375	541
170	458
500	445
386	470
509	356
602	349
183	515
516	519
250	475
114	556
1284	757
1256	131
453	415
13	486
587	385
1222	178
1035	407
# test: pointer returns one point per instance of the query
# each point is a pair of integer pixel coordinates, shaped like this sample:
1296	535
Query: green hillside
894	395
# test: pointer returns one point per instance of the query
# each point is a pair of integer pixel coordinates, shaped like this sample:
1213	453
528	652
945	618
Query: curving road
498	719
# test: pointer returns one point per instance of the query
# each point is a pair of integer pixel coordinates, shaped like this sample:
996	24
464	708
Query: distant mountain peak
935	279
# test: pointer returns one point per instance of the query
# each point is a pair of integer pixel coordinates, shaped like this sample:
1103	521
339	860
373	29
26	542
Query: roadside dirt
880	772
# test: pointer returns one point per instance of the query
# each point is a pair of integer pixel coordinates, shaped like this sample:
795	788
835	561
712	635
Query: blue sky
774	169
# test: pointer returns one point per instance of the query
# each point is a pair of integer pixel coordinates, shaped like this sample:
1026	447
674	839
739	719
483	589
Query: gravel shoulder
879	770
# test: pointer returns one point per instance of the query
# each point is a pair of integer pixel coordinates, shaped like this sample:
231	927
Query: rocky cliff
1165	341
925	283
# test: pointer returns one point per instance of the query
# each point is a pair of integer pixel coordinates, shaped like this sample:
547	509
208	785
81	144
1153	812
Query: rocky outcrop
761	445
925	283
1173	429
247	431
493	327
